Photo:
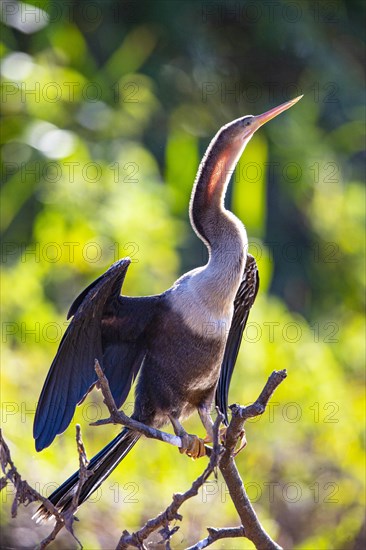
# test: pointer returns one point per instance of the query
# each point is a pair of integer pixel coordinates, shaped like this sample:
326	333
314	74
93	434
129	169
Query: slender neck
214	225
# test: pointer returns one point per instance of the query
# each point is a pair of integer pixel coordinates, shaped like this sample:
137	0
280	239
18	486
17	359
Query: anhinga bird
181	345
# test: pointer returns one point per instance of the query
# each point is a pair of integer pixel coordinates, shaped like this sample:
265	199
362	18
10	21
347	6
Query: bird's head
242	129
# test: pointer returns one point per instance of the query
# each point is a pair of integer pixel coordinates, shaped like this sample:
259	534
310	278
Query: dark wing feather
244	300
79	299
90	335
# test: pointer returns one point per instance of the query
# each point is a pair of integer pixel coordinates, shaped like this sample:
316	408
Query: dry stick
253	529
24	493
171	512
67	517
84	473
217	534
51	537
218	457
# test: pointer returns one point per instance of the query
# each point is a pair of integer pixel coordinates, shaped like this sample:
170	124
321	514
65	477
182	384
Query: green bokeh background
98	163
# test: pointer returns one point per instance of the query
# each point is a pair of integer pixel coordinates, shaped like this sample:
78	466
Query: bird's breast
205	308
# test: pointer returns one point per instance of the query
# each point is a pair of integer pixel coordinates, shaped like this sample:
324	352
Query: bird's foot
193	446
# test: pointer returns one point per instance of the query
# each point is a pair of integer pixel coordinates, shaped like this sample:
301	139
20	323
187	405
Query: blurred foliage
107	109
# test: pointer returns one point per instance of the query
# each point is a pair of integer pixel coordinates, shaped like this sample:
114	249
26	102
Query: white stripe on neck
204	297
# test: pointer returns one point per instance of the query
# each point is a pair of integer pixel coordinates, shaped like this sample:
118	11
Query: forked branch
251	525
221	456
253	528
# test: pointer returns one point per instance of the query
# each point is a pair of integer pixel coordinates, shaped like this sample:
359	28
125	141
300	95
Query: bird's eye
247	123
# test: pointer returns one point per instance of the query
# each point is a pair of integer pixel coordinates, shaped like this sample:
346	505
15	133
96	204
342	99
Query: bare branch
51	537
241	414
24	493
171	512
220	456
83	466
84	474
224	458
253	529
217	534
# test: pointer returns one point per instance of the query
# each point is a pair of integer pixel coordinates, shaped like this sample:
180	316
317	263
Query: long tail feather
102	464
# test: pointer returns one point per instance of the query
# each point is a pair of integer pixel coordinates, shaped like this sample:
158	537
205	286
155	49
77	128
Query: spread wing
105	326
244	300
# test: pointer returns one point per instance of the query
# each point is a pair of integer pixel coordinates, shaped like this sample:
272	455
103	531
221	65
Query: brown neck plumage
211	221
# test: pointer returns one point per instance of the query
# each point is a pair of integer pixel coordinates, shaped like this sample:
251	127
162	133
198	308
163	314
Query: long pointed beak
265	117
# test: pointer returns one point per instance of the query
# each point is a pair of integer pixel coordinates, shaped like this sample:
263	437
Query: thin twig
51	537
67	516
84	474
24	493
217	534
